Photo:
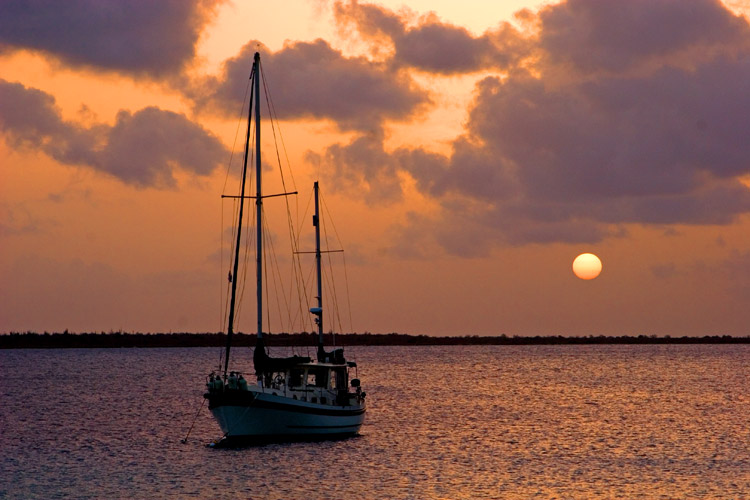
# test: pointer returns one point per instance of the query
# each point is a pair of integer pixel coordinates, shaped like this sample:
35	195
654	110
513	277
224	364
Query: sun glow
587	266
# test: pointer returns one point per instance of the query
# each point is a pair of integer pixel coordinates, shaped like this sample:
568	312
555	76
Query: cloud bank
432	45
312	80
141	148
596	115
628	113
139	38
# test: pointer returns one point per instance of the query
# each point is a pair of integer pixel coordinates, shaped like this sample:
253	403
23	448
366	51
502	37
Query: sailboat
293	398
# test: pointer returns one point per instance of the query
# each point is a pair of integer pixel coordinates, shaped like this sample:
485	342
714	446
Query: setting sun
587	266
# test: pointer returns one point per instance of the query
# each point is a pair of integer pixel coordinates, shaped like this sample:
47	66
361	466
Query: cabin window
317	377
295	378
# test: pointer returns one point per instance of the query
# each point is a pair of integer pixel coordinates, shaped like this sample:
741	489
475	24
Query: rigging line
346	277
273	120
249	233
233	236
293	235
299	315
295	263
237	131
298	282
193	424
330	263
232	425
274	117
223	291
221	269
348	301
225	319
235	216
249	242
303	220
297	260
273	262
306	320
311	281
332	296
302	296
268	244
289	302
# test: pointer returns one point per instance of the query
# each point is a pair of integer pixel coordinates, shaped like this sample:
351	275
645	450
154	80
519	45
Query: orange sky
467	155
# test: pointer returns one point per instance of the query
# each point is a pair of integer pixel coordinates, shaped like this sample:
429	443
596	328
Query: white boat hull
265	415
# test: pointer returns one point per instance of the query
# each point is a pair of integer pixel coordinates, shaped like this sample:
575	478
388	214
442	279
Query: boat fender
355	382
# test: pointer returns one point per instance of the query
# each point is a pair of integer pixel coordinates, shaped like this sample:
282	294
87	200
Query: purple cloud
614	35
431	45
573	157
137	37
142	148
313	80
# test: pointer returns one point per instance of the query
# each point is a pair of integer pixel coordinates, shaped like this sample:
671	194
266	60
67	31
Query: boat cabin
323	383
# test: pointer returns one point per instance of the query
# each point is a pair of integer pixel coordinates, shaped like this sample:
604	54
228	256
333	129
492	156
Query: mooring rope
194	420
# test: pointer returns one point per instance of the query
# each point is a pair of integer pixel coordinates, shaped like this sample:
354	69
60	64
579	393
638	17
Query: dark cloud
432	45
662	134
614	35
138	37
574	159
142	148
313	80
361	165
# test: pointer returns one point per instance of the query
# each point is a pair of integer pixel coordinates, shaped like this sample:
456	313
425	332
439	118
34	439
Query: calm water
442	423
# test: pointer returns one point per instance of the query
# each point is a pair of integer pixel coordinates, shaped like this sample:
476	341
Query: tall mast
230	325
258	202
319	310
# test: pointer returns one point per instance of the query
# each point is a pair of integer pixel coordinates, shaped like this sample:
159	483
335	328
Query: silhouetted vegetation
32	340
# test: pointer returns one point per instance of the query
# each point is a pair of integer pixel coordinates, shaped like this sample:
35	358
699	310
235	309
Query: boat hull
246	415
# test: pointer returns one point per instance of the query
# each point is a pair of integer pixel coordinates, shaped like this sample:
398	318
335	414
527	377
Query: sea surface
457	422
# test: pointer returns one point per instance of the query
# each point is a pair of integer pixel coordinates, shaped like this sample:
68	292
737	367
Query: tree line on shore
46	340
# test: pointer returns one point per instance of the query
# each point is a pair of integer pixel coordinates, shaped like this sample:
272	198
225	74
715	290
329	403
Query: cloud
142	148
153	38
431	45
16	220
313	80
362	166
664	271
574	158
615	36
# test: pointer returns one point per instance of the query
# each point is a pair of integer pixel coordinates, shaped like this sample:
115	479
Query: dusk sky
468	152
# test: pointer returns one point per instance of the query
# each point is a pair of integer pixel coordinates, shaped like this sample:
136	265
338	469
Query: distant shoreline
31	340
